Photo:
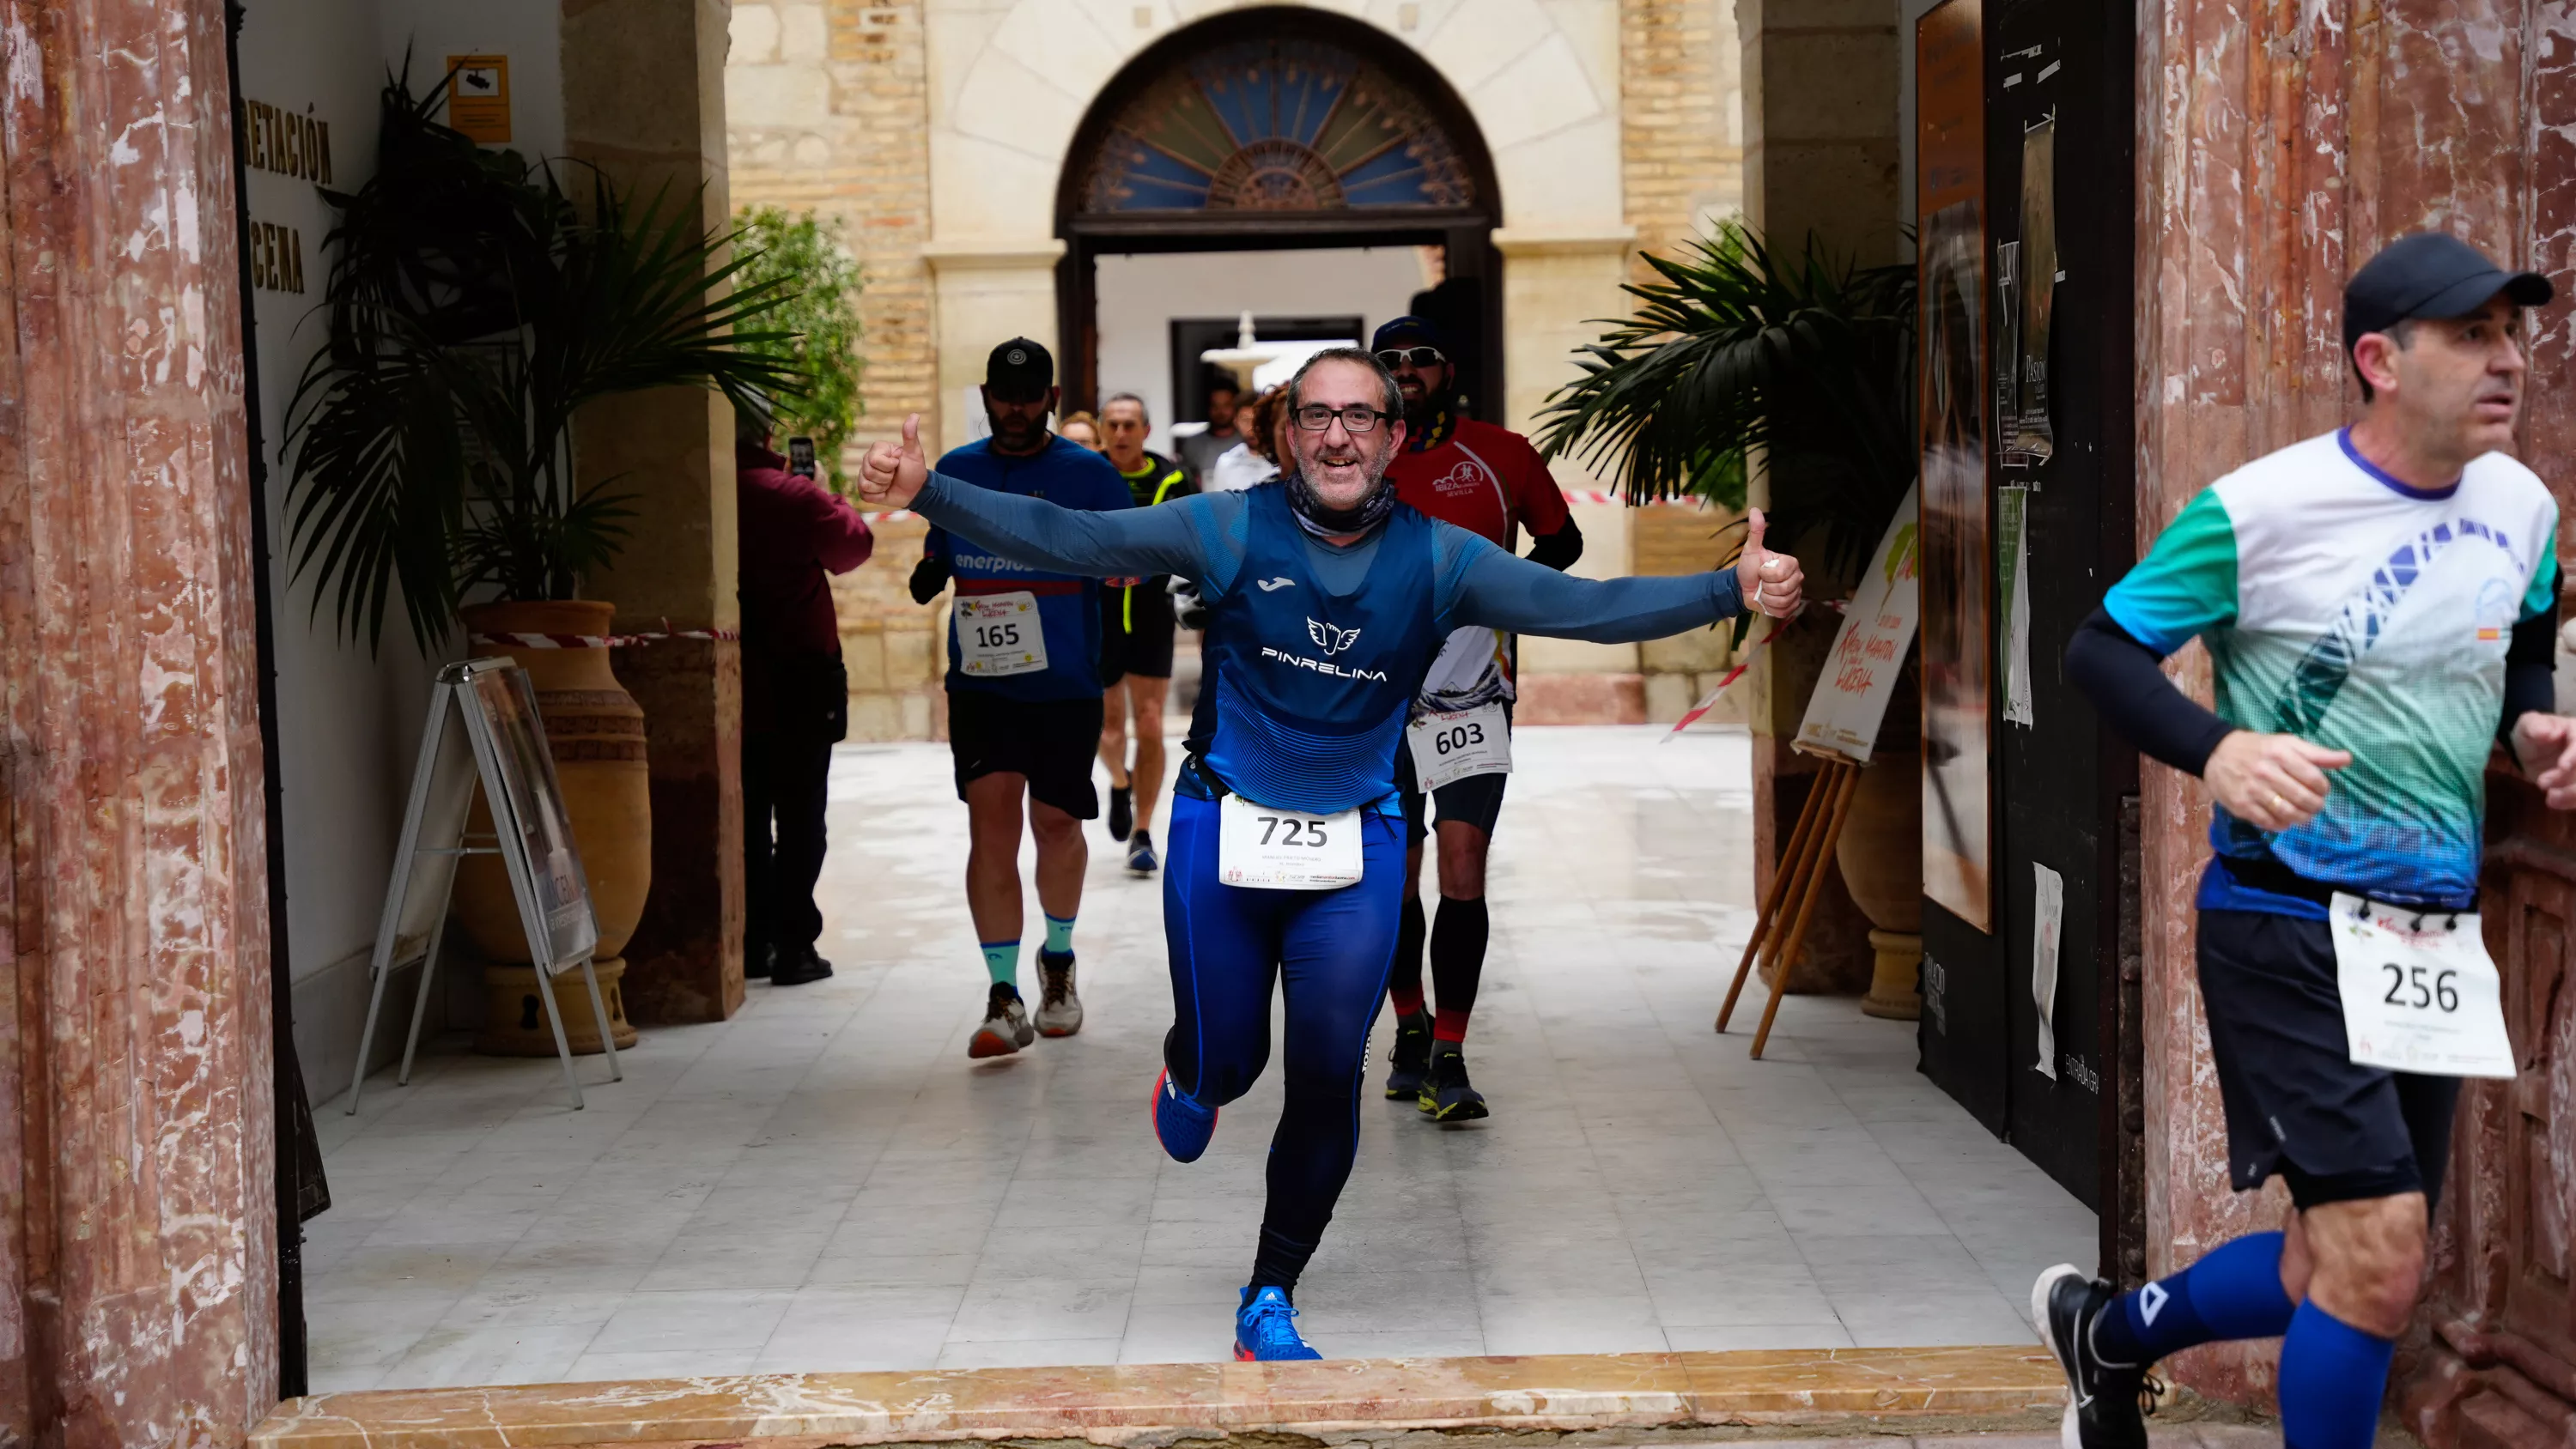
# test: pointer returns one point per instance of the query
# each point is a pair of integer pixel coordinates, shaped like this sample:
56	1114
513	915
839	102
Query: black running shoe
2102	1400
797	968
1411	1060
1122	814
1445	1095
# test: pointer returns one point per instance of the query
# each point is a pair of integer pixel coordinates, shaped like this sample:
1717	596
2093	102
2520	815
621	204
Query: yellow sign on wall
478	96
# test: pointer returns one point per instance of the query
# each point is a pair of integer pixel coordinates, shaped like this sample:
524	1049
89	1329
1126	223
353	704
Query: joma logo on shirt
1320	667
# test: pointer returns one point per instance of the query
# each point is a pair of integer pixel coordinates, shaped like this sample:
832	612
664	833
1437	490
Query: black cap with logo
2430	274
1020	368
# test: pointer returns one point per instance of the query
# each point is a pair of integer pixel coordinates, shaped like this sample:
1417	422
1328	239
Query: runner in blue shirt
1327	600
1023	695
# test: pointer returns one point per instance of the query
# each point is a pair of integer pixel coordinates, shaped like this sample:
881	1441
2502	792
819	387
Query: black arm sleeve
2531	669
2123	679
929	576
1557	550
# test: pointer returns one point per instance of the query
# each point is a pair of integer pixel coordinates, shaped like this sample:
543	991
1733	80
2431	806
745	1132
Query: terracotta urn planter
1881	859
595	732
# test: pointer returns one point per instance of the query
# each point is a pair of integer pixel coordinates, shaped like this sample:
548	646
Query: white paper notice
2017	620
2047	923
1850	701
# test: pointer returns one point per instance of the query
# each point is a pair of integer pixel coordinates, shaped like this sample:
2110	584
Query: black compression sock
1278	1261
1458	939
1404	978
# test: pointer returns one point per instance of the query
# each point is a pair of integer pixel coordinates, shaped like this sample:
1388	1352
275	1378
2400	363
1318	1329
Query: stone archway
1008	93
1279	127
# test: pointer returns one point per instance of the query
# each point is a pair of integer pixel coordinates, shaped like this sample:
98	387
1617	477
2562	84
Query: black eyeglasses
1395	357
1358	418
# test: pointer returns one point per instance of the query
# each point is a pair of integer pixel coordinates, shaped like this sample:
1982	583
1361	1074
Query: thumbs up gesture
893	472
1772	582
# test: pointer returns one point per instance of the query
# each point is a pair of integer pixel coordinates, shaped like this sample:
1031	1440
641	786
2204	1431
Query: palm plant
1730	356
473	310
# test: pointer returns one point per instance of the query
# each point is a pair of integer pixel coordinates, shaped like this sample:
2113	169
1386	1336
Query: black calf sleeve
1458	953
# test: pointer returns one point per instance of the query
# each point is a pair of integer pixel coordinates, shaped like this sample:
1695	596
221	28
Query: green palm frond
1731	356
475	306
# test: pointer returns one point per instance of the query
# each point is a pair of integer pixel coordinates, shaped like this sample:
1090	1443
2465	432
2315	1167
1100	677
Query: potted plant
473	309
1730	357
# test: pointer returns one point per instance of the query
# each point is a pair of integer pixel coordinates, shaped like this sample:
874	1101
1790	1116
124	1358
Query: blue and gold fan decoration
1275	125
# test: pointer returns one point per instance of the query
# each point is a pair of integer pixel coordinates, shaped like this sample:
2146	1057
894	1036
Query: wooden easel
1801	878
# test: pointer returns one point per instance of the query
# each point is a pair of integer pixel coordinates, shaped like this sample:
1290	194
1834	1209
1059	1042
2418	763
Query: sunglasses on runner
1395	357
1358	417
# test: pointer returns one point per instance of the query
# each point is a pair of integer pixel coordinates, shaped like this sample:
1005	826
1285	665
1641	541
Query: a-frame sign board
483	729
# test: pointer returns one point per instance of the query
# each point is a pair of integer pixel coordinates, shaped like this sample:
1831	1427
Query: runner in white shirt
2380	606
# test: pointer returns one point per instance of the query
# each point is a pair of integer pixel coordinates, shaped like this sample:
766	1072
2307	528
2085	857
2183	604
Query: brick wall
1680	119
1682	165
828	110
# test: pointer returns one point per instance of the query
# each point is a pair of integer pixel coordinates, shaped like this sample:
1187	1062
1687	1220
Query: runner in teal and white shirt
2379	605
2356	612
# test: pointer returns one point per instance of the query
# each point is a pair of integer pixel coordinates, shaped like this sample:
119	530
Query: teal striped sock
1059	935
1002	960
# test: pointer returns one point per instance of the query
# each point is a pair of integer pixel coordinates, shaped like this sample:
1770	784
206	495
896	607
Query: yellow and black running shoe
1446	1097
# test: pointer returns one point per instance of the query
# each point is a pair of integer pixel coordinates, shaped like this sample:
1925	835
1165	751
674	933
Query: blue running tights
1331	951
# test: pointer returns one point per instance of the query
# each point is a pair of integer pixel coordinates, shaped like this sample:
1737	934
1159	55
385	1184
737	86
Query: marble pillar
2278	148
644	101
138	1251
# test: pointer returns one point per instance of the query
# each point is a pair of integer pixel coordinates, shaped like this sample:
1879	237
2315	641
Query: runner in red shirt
1488	479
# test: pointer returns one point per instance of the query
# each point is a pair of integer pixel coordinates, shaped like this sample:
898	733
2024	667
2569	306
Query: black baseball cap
1407	332
1021	367
2430	274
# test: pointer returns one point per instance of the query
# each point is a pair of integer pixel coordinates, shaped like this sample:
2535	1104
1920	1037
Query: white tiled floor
825	1182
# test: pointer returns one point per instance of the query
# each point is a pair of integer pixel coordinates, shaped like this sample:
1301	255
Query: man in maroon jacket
795	696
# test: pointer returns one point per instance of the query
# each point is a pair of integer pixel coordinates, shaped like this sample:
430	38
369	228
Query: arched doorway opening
1274	129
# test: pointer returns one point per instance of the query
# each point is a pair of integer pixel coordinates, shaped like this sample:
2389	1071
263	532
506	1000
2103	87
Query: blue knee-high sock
2333	1376
2234	1291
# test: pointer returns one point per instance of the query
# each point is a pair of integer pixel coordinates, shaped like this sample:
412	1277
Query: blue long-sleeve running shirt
1202	538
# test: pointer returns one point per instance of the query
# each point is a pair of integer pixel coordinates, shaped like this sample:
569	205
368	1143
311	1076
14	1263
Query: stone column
1556	283
138	1249
1820	154
985	291
644	101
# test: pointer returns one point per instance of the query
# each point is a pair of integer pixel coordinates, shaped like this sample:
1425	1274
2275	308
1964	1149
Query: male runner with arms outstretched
1023	696
1327	600
2380	606
1491	482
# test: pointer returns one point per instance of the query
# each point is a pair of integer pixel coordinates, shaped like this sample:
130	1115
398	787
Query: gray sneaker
1059	1010
1006	1026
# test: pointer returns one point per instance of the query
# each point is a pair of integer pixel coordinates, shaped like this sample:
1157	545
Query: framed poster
1956	537
528	814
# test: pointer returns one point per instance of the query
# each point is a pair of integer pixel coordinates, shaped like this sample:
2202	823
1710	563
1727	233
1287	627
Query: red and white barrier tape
1572	495
1692	716
596	641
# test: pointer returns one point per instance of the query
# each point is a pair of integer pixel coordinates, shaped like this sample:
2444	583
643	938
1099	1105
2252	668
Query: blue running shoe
1140	853
1181	1125
1265	1330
